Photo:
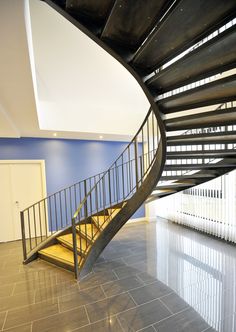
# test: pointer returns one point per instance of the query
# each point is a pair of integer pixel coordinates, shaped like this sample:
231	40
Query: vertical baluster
76	267
100	191
104	197
66	217
60	209
96	200
109	186
144	152
30	237
70	197
50	210
75	196
35	228
129	167
136	162
55	209
90	198
91	202
85	204
141	168
148	141
118	182
123	176
40	222
153	136
90	213
114	184
23	235
85	208
45	217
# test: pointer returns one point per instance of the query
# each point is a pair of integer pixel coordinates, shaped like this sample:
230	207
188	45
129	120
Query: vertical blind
209	207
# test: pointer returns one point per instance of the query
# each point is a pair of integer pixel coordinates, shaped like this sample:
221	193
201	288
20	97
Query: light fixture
55	134
101	137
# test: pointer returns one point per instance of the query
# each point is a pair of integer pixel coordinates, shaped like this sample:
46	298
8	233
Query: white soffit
81	88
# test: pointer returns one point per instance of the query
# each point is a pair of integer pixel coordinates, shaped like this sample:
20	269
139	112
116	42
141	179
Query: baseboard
151	219
142	219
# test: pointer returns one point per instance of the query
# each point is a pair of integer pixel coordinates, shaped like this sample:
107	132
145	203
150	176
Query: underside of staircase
183	55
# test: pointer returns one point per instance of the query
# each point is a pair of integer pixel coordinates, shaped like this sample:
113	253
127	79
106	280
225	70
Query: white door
6	211
22	184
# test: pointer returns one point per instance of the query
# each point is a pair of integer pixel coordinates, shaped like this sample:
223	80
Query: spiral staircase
183	55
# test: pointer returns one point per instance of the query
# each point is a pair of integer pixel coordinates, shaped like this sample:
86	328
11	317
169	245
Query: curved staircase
183	55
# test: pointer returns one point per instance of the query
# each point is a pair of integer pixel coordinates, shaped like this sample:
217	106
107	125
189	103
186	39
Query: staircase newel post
136	160
76	270
23	235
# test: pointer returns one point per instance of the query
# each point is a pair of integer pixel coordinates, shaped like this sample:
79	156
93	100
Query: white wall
80	86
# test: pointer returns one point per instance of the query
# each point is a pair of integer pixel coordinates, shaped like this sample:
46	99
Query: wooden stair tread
59	253
67	240
88	230
101	221
113	212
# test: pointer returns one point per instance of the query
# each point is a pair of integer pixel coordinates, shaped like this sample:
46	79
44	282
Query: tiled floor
152	277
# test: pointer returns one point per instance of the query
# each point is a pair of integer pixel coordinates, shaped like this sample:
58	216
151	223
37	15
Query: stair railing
45	218
116	186
43	221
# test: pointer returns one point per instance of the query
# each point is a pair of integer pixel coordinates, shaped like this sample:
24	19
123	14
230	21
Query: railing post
76	268
136	160
23	235
85	204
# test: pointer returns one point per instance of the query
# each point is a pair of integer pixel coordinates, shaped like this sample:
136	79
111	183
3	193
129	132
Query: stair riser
70	247
57	262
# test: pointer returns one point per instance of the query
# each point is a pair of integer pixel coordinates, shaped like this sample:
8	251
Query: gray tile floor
156	277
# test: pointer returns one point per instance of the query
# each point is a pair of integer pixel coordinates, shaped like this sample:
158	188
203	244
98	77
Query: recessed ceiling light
54	134
101	137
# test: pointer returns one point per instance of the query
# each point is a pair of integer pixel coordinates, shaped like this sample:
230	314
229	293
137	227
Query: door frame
31	161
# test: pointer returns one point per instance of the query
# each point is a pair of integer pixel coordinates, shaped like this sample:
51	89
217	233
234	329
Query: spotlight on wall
101	137
55	134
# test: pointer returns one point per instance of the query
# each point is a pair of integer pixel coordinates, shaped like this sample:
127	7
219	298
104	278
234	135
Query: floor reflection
200	269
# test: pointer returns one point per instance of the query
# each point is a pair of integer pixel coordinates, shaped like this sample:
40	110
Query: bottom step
60	256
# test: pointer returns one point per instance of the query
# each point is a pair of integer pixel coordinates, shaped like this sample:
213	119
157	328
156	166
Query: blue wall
66	161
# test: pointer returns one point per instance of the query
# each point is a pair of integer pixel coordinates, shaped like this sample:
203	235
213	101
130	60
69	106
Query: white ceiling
81	91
